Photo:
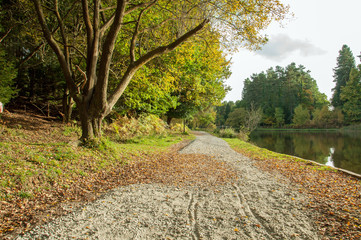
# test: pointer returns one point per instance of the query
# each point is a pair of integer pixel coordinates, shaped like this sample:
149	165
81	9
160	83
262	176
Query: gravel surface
256	206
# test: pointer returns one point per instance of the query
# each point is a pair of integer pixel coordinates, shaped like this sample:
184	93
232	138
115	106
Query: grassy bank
334	195
299	129
41	167
356	127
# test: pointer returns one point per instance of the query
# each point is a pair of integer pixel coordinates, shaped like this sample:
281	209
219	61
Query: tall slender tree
345	62
351	96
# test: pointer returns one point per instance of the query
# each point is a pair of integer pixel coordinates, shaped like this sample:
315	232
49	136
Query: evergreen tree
345	62
279	116
351	96
283	88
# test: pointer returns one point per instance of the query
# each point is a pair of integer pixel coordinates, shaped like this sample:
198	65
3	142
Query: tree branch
6	34
87	21
136	31
92	53
129	10
62	60
62	30
146	58
107	54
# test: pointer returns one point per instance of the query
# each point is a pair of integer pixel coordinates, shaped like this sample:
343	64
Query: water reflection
342	150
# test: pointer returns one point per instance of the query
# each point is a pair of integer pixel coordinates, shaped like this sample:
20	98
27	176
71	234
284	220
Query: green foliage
7	75
227	133
237	118
180	128
279	117
223	112
345	62
325	118
204	119
283	88
200	71
302	116
351	96
126	128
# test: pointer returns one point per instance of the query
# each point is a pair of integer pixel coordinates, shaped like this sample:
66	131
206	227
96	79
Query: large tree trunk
91	125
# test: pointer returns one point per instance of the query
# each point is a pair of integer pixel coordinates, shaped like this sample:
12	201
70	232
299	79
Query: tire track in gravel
192	215
256	206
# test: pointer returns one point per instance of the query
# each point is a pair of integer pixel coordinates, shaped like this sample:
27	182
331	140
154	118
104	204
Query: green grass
355	127
27	168
255	152
299	129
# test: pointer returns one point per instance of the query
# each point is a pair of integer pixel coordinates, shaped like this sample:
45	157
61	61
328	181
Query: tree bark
91	125
169	120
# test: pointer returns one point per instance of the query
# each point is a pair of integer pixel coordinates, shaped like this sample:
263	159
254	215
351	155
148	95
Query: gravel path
257	206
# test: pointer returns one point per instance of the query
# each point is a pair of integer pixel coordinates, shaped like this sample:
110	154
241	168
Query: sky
313	38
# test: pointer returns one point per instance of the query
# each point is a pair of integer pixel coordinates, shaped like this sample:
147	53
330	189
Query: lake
333	148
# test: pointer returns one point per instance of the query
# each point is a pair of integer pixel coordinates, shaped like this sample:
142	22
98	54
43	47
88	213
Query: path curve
257	206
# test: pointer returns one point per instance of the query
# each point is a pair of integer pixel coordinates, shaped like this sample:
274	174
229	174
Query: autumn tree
84	35
345	62
302	116
253	118
200	71
237	118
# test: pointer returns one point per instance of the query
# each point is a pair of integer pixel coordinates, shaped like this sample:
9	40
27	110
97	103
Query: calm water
342	150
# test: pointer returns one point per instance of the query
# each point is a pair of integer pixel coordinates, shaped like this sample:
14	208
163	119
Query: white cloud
281	46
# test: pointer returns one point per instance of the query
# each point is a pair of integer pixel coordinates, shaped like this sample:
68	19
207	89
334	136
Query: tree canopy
282	88
93	38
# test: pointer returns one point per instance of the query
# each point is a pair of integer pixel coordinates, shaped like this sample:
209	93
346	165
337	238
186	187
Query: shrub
128	128
179	128
227	133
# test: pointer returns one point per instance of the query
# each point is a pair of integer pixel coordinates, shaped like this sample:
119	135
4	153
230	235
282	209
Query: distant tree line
289	97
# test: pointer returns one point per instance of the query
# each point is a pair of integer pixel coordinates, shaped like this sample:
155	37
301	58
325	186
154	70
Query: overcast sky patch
281	46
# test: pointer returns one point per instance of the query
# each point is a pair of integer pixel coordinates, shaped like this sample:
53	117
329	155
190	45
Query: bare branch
6	34
135	7
87	21
84	76
62	30
108	8
31	54
135	33
129	10
53	44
